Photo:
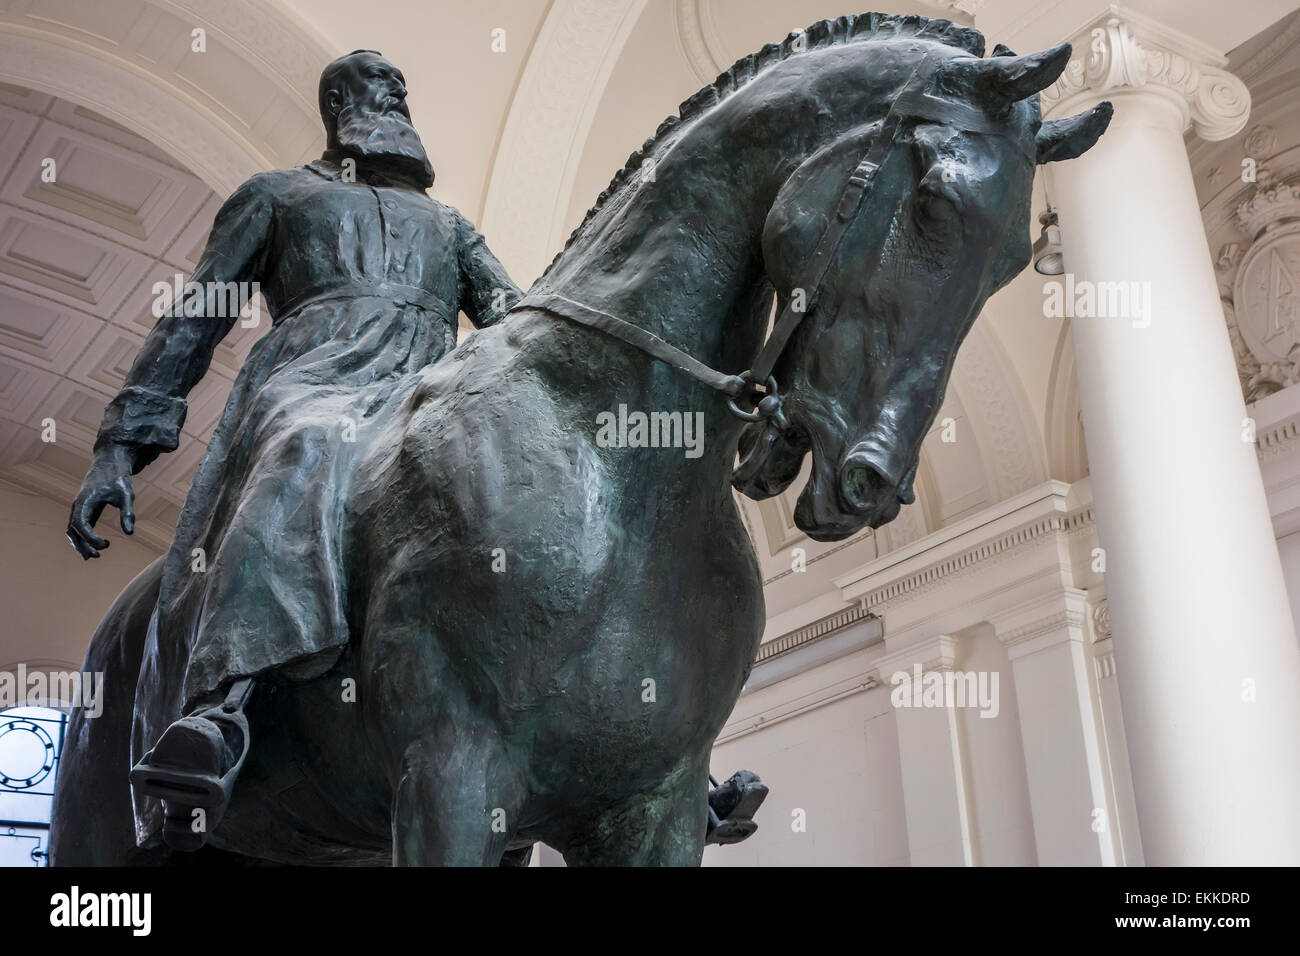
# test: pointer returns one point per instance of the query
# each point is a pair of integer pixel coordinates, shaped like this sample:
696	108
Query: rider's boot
732	806
193	767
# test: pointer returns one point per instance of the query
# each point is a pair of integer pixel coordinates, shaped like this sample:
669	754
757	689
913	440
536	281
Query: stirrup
738	824
187	789
194	788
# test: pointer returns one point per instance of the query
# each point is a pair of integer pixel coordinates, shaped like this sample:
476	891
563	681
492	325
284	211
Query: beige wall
51	599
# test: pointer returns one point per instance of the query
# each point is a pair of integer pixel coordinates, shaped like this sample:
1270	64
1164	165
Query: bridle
757	385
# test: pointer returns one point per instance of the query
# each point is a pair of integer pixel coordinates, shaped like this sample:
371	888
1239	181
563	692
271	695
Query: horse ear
1005	78
1003	50
1073	136
1016	77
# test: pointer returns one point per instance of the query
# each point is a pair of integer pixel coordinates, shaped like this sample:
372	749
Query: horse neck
680	256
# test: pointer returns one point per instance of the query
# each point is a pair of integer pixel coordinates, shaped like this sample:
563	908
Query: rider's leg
193	767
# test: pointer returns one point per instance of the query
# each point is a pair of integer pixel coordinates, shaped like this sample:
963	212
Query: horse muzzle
871	474
868	488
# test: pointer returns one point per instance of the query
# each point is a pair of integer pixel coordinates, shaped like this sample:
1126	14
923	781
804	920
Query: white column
1069	789
936	792
1208	666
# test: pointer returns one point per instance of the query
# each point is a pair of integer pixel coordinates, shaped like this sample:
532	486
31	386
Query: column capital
1043	622
1121	53
935	653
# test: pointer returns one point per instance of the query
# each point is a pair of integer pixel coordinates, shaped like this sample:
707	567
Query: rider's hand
107	483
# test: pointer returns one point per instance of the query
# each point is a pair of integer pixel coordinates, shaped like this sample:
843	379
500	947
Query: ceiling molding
217	153
286	46
250	106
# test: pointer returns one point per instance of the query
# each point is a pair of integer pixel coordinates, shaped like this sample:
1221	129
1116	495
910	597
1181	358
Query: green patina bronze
487	617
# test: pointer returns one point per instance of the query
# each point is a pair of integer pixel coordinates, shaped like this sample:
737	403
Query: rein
913	103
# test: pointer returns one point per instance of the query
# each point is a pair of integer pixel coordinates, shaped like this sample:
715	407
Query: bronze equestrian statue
476	626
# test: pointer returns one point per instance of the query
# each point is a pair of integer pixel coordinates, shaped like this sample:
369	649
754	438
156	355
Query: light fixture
1047	250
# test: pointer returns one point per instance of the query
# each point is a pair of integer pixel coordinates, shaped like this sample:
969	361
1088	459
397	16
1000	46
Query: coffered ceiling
91	216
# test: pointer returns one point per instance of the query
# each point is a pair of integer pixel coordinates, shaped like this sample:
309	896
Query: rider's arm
487	291
145	418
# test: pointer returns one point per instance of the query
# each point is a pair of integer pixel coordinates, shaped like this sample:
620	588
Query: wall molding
970	559
819	629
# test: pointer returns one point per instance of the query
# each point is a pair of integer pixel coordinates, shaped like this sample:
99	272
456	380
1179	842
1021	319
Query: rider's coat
364	282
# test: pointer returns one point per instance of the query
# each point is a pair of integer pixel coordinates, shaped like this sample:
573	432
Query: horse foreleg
456	803
664	827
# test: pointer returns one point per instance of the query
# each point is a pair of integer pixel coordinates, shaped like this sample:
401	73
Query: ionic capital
1122	52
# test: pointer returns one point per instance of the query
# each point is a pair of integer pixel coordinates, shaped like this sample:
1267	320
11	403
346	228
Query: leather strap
911	104
846	211
634	335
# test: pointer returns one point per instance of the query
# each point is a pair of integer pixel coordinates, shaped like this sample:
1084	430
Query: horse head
942	225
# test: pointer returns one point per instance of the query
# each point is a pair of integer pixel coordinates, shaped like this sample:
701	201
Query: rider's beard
385	146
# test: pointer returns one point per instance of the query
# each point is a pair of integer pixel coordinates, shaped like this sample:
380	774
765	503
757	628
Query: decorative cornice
1068	618
968	561
811	633
846	543
937	653
1279	439
1283	41
1125	51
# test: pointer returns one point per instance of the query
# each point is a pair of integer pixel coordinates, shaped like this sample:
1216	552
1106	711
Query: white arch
1068	456
546	131
994	398
170	112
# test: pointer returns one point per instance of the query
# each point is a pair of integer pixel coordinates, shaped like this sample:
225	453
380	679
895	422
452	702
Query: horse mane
825	33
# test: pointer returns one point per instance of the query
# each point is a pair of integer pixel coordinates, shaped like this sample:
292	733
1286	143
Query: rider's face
373	85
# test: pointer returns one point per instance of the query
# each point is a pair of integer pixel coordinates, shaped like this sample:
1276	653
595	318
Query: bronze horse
549	630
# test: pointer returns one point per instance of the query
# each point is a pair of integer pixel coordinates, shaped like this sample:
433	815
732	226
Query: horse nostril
862	483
